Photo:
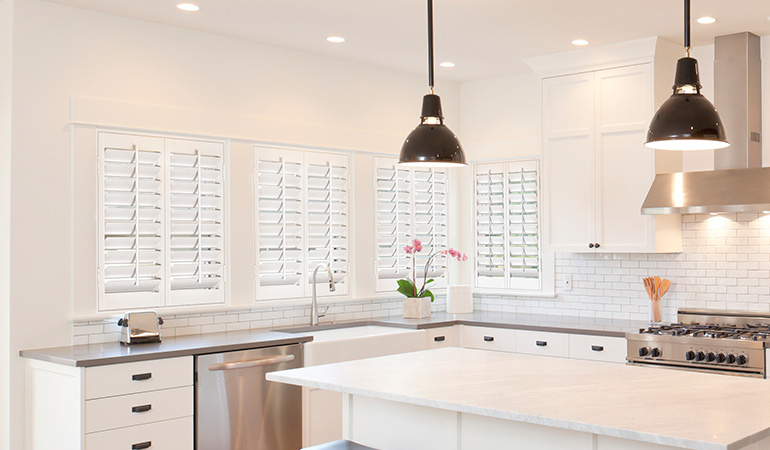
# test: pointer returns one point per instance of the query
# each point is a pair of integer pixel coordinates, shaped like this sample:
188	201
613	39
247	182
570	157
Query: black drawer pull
141	445
597	348
489	338
141	376
439	338
141	409
541	343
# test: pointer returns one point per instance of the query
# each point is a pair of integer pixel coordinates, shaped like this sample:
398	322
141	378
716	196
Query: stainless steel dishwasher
237	409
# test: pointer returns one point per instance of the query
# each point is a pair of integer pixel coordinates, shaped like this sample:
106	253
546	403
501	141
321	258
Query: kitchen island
463	399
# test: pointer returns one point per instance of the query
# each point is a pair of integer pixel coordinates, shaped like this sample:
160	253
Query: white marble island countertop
650	404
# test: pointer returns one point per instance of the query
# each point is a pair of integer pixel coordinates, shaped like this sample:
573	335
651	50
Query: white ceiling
485	38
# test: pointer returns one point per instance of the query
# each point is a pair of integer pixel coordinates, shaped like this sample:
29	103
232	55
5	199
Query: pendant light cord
687	27
430	44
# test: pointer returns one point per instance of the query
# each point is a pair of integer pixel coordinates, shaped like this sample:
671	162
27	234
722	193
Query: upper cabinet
596	169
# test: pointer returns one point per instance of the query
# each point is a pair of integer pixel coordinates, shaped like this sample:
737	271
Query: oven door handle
251	363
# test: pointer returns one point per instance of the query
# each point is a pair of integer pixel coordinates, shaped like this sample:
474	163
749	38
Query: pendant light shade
432	143
687	120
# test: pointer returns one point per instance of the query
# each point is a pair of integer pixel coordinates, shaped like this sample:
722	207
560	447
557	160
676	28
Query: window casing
161	222
302	204
508	249
410	203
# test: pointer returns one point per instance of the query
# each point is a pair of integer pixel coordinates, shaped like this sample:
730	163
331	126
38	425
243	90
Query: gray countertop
115	353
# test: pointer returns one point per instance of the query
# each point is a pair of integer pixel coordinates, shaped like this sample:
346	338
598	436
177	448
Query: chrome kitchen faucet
314	316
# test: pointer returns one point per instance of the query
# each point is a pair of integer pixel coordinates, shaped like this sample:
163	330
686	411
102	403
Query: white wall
149	77
6	35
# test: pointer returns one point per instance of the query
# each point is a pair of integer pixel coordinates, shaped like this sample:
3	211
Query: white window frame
389	285
164	296
543	285
303	288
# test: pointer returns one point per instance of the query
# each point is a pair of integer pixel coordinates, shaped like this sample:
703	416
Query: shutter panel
430	219
327	219
196	222
131	203
490	226
280	222
507	225
410	204
523	225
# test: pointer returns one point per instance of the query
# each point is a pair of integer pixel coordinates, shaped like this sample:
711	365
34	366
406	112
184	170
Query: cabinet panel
136	409
625	167
441	337
569	162
597	348
484	338
141	376
542	343
174	434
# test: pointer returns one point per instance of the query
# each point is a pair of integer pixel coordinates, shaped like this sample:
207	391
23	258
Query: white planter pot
416	308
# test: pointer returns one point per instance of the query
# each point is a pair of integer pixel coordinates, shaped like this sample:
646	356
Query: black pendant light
432	143
687	120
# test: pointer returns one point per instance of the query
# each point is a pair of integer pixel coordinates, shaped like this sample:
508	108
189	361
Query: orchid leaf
406	287
429	294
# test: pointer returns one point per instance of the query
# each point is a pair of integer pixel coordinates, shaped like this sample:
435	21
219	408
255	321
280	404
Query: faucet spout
314	316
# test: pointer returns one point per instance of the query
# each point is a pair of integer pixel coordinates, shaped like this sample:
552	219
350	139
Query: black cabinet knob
597	245
591	245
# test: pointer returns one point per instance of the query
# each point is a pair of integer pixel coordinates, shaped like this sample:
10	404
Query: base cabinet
147	404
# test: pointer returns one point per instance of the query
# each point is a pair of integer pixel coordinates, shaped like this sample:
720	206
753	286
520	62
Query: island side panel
387	424
488	433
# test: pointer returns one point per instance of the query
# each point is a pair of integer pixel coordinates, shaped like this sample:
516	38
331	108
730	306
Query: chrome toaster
140	327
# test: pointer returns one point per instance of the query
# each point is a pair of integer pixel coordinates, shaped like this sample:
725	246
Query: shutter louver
327	218
132	221
280	223
196	245
507	225
411	204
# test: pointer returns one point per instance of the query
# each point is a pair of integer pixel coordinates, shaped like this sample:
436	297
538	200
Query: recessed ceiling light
706	20
336	39
447	64
188	7
580	42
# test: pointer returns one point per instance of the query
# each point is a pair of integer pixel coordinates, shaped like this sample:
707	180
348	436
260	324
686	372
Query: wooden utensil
657	288
664	285
648	286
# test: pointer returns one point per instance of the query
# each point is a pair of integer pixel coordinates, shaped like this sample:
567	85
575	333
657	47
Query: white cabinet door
568	156
544	343
624	166
486	338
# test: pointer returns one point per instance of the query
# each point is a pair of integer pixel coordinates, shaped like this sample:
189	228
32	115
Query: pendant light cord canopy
687	120
431	144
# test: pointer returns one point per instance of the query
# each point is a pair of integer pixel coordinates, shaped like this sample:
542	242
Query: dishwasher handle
251	363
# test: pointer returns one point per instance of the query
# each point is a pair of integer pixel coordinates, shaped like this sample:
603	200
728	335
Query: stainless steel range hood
739	183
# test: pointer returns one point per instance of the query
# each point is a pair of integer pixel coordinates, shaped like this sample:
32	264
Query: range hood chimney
738	183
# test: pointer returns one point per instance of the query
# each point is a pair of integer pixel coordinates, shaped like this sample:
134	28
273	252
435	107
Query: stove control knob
742	360
711	357
656	352
644	351
721	357
700	356
731	359
690	355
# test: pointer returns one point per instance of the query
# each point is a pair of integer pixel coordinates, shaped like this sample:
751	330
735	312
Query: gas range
705	340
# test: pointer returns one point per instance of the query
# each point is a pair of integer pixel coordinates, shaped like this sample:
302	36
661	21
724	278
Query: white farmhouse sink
344	344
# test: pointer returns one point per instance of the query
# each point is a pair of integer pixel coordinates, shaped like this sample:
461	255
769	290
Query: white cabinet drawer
542	343
597	348
500	339
441	337
174	434
141	376
136	409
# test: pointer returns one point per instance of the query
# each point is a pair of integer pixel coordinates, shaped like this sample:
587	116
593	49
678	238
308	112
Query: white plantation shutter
303	220
196	212
131	225
280	234
410	204
507	225
327	219
161	222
